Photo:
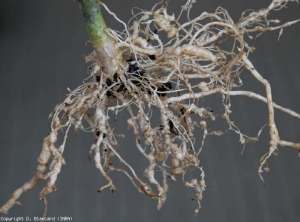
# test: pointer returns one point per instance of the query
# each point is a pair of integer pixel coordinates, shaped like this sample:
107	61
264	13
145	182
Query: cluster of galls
136	75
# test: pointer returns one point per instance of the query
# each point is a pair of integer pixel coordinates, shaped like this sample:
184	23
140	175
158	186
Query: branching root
168	76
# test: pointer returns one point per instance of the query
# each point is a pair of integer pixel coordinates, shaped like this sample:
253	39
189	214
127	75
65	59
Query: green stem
103	43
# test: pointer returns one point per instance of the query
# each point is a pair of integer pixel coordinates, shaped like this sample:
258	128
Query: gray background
42	46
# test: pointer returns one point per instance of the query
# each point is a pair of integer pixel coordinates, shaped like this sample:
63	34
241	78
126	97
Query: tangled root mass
171	76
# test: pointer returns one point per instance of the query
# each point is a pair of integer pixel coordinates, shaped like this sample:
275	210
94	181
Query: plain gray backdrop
43	44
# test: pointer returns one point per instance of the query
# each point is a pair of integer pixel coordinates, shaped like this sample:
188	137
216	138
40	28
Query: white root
156	75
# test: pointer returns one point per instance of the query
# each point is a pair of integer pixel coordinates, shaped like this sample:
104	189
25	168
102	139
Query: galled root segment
40	174
169	77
